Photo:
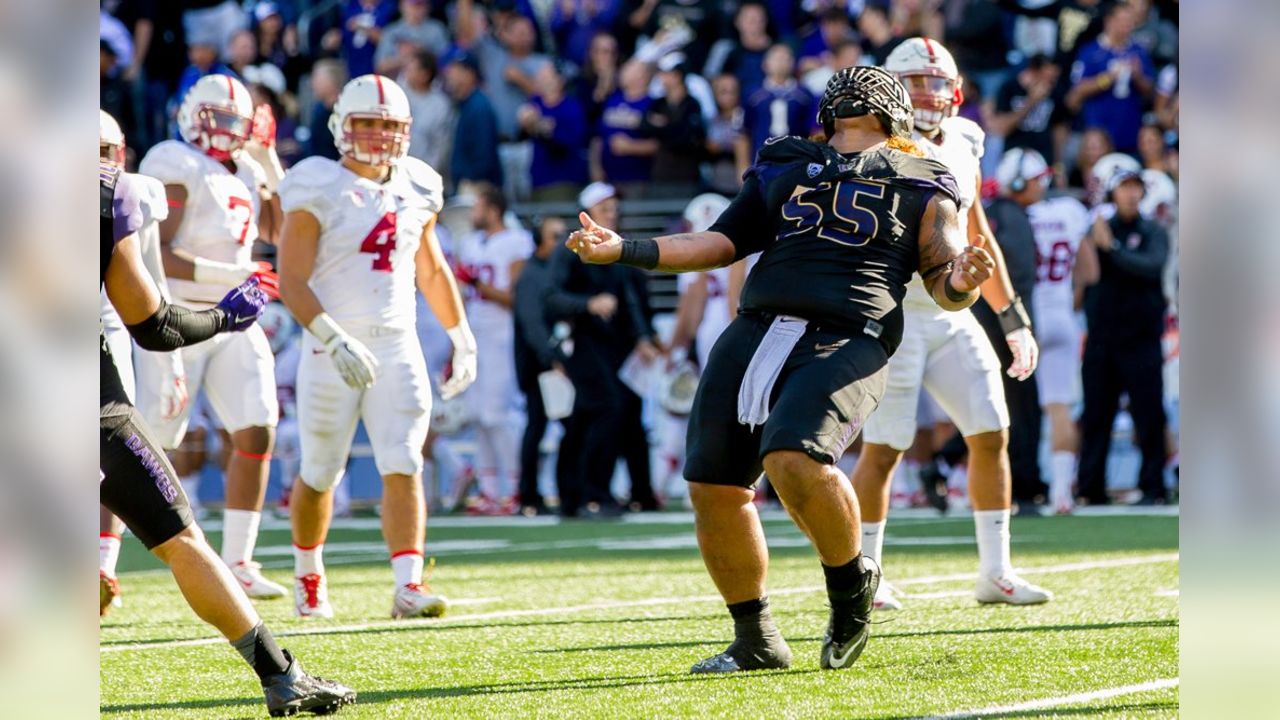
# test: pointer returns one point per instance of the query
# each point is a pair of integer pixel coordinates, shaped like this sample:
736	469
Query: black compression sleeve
173	326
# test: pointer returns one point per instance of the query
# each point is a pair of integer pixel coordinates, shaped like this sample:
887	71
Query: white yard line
617	604
1053	702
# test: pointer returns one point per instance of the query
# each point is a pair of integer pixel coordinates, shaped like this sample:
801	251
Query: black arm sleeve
173	326
746	221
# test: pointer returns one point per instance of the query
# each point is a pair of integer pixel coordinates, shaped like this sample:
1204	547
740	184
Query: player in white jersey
220	201
489	260
358	233
168	365
1058	224
702	313
949	353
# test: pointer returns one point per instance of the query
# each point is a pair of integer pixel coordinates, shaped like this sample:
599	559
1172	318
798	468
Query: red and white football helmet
216	116
110	140
703	211
932	80
377	98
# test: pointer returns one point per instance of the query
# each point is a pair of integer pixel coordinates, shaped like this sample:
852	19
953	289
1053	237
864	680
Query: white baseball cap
595	193
1020	166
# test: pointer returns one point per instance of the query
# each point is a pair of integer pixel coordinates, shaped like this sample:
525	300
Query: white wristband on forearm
324	328
461	337
220	273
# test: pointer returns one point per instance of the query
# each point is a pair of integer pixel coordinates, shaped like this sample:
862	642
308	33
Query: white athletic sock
873	540
993	542
108	553
239	535
406	567
308	561
1062	471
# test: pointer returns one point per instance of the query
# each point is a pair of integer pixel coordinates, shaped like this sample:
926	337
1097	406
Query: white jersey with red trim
369	234
961	149
488	259
219	216
1059	224
715	315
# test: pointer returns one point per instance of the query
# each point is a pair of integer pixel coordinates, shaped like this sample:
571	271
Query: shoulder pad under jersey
424	180
313	172
962	127
172	163
784	149
155	205
896	166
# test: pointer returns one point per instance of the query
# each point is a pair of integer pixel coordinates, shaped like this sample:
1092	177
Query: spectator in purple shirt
625	150
1112	80
575	22
746	59
817	47
781	106
557	125
362	25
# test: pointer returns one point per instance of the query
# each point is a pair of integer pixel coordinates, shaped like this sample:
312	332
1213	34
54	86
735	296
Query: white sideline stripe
1167	593
616	604
1052	702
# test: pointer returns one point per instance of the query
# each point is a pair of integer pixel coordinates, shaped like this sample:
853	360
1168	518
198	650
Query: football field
603	620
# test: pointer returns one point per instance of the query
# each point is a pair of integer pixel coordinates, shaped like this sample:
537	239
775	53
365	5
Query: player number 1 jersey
369	234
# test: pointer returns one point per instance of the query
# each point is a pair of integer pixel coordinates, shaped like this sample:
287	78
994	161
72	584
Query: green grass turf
615	613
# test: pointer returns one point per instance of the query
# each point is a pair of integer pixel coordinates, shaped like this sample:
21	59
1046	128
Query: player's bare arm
175	265
998	289
505	298
689	312
682	252
299	240
270	218
437	285
952	271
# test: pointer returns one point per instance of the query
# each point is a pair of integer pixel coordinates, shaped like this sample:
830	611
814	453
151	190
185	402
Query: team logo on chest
814	169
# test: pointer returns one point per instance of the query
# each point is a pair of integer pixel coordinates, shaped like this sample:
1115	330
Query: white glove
1026	353
266	156
357	366
173	388
463	368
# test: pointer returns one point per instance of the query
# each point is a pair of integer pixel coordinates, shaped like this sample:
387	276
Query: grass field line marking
1049	569
1052	702
615	604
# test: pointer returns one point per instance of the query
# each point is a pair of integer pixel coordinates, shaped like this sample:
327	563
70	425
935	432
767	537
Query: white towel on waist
764	368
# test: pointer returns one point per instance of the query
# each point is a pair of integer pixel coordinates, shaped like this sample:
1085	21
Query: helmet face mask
375	139
932	96
930	74
863	90
371	121
217	116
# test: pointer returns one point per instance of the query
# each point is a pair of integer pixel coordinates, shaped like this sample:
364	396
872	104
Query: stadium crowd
533	109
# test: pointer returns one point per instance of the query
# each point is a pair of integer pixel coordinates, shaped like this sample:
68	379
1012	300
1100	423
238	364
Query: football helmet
931	77
1160	203
679	385
216	115
372	97
110	140
703	211
863	90
1112	163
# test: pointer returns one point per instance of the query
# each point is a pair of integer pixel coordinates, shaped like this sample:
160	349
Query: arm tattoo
941	244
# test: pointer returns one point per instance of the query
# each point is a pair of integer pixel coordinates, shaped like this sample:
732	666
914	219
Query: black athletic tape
952	294
944	267
640	253
1014	317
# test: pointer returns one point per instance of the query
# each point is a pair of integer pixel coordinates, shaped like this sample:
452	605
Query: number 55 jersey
369	235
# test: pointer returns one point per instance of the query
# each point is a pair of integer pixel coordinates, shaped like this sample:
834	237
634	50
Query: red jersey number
1056	267
381	241
236	202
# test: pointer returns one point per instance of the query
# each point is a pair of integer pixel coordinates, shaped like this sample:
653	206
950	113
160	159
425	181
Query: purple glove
243	305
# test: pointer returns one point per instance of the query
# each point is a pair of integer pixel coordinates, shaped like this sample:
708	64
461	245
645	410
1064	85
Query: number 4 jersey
369	234
219	216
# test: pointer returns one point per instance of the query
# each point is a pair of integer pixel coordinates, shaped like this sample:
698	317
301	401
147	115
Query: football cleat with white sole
1011	589
886	597
311	597
108	593
294	691
850	625
415	600
255	584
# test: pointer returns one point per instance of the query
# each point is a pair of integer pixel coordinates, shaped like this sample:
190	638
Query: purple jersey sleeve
126	206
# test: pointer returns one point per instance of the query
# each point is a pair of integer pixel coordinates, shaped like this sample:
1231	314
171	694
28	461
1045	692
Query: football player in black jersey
139	485
841	225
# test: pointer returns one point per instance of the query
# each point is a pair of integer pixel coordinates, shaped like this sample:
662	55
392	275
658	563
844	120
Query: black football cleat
740	658
850	623
294	691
